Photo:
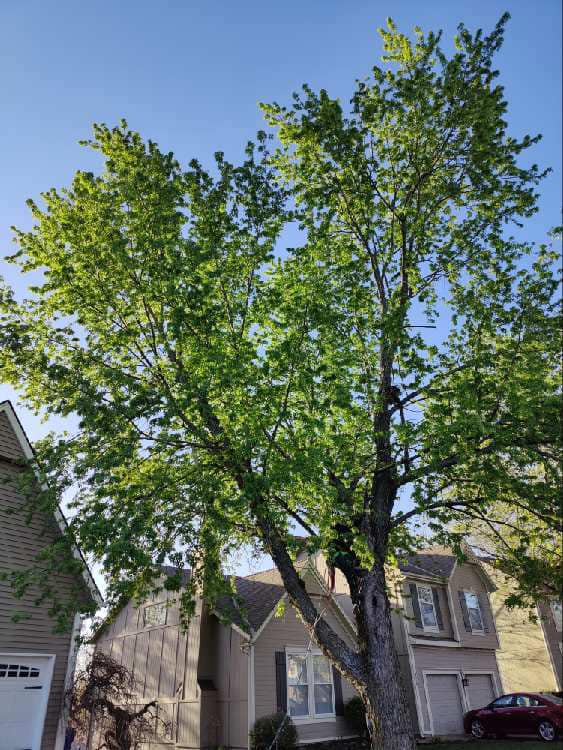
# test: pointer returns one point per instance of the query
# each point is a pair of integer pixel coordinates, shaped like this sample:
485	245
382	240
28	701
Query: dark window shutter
436	598
338	700
415	605
464	612
487	621
281	682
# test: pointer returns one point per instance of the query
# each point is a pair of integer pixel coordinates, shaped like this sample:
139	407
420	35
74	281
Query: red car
518	713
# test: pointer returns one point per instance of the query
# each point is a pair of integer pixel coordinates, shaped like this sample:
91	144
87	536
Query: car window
527	700
554	698
505	700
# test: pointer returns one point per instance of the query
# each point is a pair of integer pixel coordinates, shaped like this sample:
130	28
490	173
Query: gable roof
258	601
433	561
28	452
440	562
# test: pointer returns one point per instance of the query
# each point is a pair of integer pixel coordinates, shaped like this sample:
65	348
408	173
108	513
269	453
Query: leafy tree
226	393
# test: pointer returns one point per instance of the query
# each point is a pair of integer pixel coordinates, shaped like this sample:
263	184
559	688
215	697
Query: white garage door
480	691
445	703
24	691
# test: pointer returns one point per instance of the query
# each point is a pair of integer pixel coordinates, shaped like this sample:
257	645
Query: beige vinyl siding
523	657
287	631
468	578
447	631
19	544
436	658
553	640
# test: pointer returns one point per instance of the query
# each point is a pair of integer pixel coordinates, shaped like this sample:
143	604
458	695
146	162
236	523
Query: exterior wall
458	660
231	680
467	578
19	544
553	641
164	662
287	631
523	658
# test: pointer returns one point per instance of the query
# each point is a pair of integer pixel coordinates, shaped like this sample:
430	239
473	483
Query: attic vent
18	670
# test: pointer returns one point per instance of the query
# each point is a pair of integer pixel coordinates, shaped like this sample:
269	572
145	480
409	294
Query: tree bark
384	694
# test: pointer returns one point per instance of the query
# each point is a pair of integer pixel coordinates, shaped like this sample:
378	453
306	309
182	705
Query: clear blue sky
189	74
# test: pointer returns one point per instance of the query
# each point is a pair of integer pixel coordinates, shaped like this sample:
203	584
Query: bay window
310	691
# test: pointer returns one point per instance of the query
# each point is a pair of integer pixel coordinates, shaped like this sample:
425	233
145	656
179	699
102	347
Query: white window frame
312	716
154	605
475	631
427	628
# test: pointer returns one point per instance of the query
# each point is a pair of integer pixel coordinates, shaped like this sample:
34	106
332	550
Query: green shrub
355	715
264	731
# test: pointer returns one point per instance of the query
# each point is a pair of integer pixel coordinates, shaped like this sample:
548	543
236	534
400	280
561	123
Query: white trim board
7	409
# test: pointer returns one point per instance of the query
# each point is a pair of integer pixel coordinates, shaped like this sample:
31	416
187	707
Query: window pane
321	669
471	600
506	700
428	615
475	619
298	700
425	594
296	670
323	699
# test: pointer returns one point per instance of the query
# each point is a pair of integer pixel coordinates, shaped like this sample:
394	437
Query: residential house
36	663
213	681
444	633
530	657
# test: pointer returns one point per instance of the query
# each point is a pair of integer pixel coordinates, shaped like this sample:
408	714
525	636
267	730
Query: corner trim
69	676
251	690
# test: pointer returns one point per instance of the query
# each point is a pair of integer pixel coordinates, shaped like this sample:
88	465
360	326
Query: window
527	700
154	614
557	615
427	609
474	612
310	691
18	670
504	702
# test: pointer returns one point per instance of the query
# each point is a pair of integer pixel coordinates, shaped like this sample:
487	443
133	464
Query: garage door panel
24	691
480	690
445	703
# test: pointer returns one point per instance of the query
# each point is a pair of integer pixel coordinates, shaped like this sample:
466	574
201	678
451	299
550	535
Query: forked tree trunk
384	694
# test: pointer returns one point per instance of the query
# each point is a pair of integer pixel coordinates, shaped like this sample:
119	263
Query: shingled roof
257	600
433	561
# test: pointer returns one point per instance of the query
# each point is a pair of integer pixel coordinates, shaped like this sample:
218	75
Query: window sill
313	719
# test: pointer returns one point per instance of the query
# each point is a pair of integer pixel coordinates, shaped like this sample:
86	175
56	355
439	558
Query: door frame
49	668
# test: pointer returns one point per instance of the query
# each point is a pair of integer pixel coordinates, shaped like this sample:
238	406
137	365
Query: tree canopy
228	388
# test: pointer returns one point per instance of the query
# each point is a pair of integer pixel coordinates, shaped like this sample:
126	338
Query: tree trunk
384	694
